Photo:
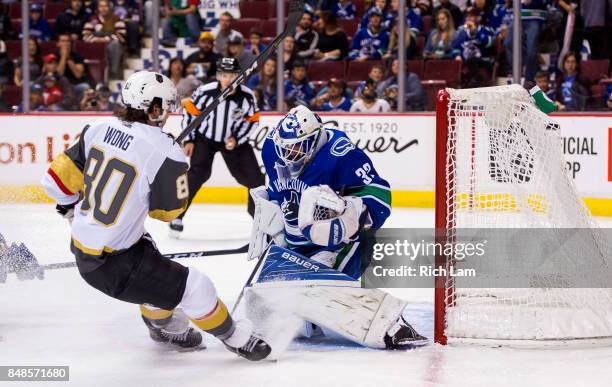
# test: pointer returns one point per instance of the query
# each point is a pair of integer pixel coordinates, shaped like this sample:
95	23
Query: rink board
402	147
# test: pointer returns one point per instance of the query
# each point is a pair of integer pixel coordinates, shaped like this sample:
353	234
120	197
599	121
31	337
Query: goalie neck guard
298	137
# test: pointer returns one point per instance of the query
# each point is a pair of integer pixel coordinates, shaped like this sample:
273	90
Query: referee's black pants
240	161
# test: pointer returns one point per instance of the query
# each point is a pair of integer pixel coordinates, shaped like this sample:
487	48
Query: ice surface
62	321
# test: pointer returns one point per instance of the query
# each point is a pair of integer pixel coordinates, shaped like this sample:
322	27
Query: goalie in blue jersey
323	196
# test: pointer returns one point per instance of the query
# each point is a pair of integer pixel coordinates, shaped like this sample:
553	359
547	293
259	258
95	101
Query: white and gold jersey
122	172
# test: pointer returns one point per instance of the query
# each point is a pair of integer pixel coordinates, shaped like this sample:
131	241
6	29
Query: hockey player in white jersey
120	170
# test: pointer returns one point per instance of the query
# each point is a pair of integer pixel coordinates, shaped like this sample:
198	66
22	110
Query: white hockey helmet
297	138
142	87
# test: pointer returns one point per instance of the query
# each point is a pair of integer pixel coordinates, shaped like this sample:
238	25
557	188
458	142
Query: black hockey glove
66	211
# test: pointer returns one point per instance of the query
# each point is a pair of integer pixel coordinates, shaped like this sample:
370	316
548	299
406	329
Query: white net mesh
505	169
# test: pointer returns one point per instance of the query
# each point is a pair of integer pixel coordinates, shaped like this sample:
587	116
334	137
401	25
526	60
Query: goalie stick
192	254
296	9
252	275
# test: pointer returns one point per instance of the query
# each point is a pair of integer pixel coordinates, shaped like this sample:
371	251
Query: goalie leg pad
361	315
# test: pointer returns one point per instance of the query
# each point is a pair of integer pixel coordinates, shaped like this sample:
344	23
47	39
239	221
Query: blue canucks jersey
343	167
369	44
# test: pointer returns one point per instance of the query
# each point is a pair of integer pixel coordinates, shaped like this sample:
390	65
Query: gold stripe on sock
215	319
156	314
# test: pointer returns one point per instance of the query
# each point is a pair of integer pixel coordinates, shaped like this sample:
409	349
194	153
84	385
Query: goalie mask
297	138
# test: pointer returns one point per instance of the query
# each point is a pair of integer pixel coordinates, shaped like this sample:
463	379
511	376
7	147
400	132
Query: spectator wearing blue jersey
473	44
255	45
345	9
39	26
501	17
370	43
472	39
379	5
413	20
298	90
36	100
336	100
440	40
533	16
571	94
485	9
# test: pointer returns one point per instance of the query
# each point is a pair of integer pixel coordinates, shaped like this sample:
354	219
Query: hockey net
500	165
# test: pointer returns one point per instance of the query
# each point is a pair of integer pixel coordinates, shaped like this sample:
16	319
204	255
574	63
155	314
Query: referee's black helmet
228	65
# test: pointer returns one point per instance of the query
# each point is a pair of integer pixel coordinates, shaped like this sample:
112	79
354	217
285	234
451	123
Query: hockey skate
245	344
176	228
255	349
403	336
175	331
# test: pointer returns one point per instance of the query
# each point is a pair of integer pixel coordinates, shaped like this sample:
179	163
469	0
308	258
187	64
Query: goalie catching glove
328	219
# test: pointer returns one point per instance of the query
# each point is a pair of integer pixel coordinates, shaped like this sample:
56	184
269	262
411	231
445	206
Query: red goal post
477	132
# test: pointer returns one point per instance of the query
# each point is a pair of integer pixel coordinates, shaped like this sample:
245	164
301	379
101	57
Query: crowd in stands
343	56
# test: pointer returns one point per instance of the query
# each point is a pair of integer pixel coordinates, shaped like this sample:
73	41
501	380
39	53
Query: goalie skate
403	336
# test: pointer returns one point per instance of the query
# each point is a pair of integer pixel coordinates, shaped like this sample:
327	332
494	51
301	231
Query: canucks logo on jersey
338	164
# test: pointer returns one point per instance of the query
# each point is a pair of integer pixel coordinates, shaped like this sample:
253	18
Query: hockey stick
252	275
192	254
296	8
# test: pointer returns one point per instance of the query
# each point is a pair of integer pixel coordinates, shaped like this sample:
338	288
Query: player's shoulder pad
339	143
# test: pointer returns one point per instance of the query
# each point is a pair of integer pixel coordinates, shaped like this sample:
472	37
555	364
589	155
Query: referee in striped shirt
225	130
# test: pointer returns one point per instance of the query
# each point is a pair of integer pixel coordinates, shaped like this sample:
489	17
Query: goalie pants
139	275
241	163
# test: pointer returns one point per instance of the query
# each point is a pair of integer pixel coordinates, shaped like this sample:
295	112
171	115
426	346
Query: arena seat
48	47
53	9
447	69
12	95
13	49
254	9
420	46
272	9
431	88
268	27
350	26
360	7
91	50
324	71
244	25
426	25
416	66
358	71
97	69
591	71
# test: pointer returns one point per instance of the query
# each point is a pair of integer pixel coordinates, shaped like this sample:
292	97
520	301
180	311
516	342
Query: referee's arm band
190	107
253	118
